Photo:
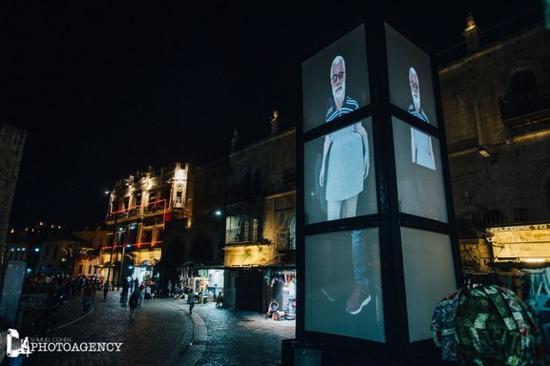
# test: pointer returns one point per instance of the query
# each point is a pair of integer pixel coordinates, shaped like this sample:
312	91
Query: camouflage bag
444	328
494	327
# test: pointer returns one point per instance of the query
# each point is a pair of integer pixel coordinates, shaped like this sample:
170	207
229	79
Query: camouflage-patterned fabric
444	328
494	327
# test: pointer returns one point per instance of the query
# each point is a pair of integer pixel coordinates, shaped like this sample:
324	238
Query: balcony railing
151	208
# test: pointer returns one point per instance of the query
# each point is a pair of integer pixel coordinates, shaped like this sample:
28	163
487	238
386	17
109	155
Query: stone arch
518	66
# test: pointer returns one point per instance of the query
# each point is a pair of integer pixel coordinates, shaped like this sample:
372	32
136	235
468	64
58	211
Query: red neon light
135	244
132	207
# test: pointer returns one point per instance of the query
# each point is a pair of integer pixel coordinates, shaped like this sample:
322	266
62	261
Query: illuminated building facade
47	248
260	223
496	103
12	141
141	208
88	262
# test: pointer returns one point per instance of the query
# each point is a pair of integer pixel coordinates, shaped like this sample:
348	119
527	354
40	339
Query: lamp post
122	262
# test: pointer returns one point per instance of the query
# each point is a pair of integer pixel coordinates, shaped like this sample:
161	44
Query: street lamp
122	262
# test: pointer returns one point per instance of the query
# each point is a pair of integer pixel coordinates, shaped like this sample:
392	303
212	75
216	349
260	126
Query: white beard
416	102
339	94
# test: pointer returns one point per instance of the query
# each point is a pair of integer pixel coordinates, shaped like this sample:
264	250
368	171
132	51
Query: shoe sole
363	304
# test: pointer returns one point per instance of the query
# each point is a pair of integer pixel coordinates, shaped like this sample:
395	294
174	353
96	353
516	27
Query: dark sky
105	90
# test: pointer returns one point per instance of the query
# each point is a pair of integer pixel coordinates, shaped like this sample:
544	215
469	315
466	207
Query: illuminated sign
523	243
250	255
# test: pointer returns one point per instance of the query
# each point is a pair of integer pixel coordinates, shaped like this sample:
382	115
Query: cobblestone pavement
242	338
159	334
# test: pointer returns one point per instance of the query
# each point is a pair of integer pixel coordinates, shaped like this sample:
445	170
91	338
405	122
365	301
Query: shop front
281	291
521	259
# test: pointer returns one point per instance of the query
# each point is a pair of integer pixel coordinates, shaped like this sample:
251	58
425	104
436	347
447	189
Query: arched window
524	91
522	96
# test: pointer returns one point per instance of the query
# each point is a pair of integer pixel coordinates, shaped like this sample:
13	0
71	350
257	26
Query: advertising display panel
339	174
419	175
410	77
335	81
425	285
343	291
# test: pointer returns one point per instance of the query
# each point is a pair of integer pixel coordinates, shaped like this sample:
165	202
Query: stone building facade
143	208
496	105
260	221
12	141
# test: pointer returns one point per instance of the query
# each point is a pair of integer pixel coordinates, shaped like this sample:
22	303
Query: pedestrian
105	291
169	287
219	299
87	298
124	293
141	293
191	301
133	303
148	293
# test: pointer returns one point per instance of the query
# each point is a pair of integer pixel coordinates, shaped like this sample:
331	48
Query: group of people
66	286
139	292
193	298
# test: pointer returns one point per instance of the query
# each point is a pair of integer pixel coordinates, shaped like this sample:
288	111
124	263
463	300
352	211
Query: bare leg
350	207
334	210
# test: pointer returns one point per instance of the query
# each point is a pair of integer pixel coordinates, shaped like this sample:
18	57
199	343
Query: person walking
191	301
133	303
105	291
87	298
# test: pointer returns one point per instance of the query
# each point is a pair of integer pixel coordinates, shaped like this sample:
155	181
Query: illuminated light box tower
376	249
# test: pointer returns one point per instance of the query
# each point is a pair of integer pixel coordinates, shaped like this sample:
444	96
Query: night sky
104	90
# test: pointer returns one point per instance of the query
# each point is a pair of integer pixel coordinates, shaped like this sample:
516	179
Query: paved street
242	338
164	333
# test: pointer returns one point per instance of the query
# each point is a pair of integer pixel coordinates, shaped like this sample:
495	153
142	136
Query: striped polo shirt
349	106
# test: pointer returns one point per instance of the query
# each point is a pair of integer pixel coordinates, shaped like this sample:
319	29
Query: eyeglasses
340	76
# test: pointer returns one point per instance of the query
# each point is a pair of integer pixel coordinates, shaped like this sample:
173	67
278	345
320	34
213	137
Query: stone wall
512	185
